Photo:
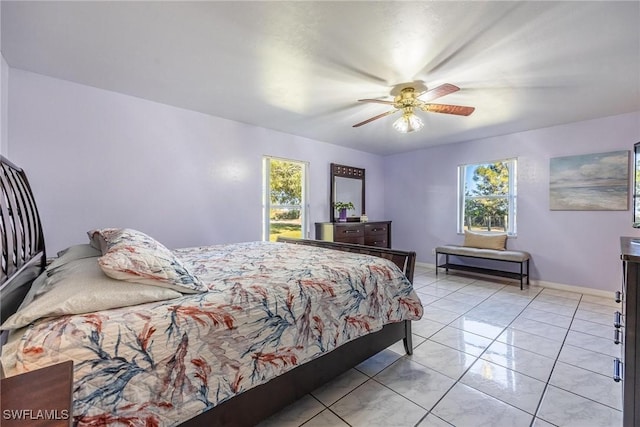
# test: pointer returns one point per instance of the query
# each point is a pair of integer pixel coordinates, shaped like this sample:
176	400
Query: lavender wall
4	105
97	158
571	248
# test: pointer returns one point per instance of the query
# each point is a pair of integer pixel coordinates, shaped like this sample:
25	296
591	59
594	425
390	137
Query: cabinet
38	398
373	233
627	323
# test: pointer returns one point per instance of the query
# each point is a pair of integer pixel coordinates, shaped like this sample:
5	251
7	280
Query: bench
507	256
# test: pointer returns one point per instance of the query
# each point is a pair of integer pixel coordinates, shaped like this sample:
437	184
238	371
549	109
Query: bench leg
521	276
437	263
522	273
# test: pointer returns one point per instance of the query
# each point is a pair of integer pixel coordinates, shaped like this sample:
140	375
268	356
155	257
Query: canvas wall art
590	182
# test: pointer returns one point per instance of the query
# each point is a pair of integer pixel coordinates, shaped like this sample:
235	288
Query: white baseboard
425	265
573	288
550	285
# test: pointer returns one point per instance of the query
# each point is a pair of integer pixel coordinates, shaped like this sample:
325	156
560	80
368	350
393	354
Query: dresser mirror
347	185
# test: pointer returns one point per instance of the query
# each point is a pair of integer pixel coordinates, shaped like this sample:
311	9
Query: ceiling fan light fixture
409	122
407	101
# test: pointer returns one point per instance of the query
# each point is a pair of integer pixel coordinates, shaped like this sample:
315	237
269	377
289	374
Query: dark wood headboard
21	238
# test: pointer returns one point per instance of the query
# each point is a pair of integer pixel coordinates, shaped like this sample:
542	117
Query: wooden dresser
372	233
627	324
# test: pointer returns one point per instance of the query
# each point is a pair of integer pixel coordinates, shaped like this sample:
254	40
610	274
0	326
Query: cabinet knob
618	296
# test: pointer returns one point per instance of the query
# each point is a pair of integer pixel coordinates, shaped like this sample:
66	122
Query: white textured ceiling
299	67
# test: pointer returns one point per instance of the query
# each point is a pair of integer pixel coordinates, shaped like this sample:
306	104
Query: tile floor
485	354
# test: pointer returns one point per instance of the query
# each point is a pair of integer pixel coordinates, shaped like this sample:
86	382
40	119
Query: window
487	197
284	199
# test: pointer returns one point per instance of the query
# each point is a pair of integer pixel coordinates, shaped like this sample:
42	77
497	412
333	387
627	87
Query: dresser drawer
350	239
376	229
349	234
374	233
379	240
377	234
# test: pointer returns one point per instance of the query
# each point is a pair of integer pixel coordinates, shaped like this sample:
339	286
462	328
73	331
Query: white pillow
69	254
81	287
73	253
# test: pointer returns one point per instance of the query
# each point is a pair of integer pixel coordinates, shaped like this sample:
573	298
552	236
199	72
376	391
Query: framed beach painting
590	182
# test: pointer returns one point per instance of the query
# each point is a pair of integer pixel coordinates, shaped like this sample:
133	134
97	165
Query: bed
215	335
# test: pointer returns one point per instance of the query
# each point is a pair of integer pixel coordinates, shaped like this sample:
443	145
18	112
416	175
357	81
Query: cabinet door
631	413
347	233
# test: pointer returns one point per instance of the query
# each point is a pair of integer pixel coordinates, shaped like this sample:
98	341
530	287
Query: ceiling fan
409	99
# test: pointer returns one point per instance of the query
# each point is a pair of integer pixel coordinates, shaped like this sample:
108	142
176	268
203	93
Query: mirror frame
343	171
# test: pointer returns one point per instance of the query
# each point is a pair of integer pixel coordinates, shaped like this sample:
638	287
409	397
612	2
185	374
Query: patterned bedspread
270	307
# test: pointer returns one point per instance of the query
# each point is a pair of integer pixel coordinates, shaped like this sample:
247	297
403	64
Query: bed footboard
405	260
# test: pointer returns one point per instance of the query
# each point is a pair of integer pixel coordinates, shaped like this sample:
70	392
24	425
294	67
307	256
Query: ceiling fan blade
378	101
458	110
379	116
437	92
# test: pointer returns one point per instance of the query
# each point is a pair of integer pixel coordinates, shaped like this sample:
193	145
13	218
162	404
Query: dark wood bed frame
24	257
21	238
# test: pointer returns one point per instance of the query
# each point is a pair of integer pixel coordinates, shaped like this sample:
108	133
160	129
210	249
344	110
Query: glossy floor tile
466	406
478	326
505	384
532	342
373	404
520	360
416	382
485	354
461	340
562	408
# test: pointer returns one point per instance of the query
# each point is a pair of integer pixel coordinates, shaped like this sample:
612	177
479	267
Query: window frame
512	167
266	196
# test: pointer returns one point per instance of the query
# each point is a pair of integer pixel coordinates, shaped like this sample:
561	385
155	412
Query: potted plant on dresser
342	208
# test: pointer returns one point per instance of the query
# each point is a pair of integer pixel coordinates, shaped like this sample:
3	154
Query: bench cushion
514	256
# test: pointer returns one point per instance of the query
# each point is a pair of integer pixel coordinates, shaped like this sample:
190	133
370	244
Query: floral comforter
269	308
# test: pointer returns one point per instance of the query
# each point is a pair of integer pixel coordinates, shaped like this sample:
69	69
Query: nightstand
38	398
